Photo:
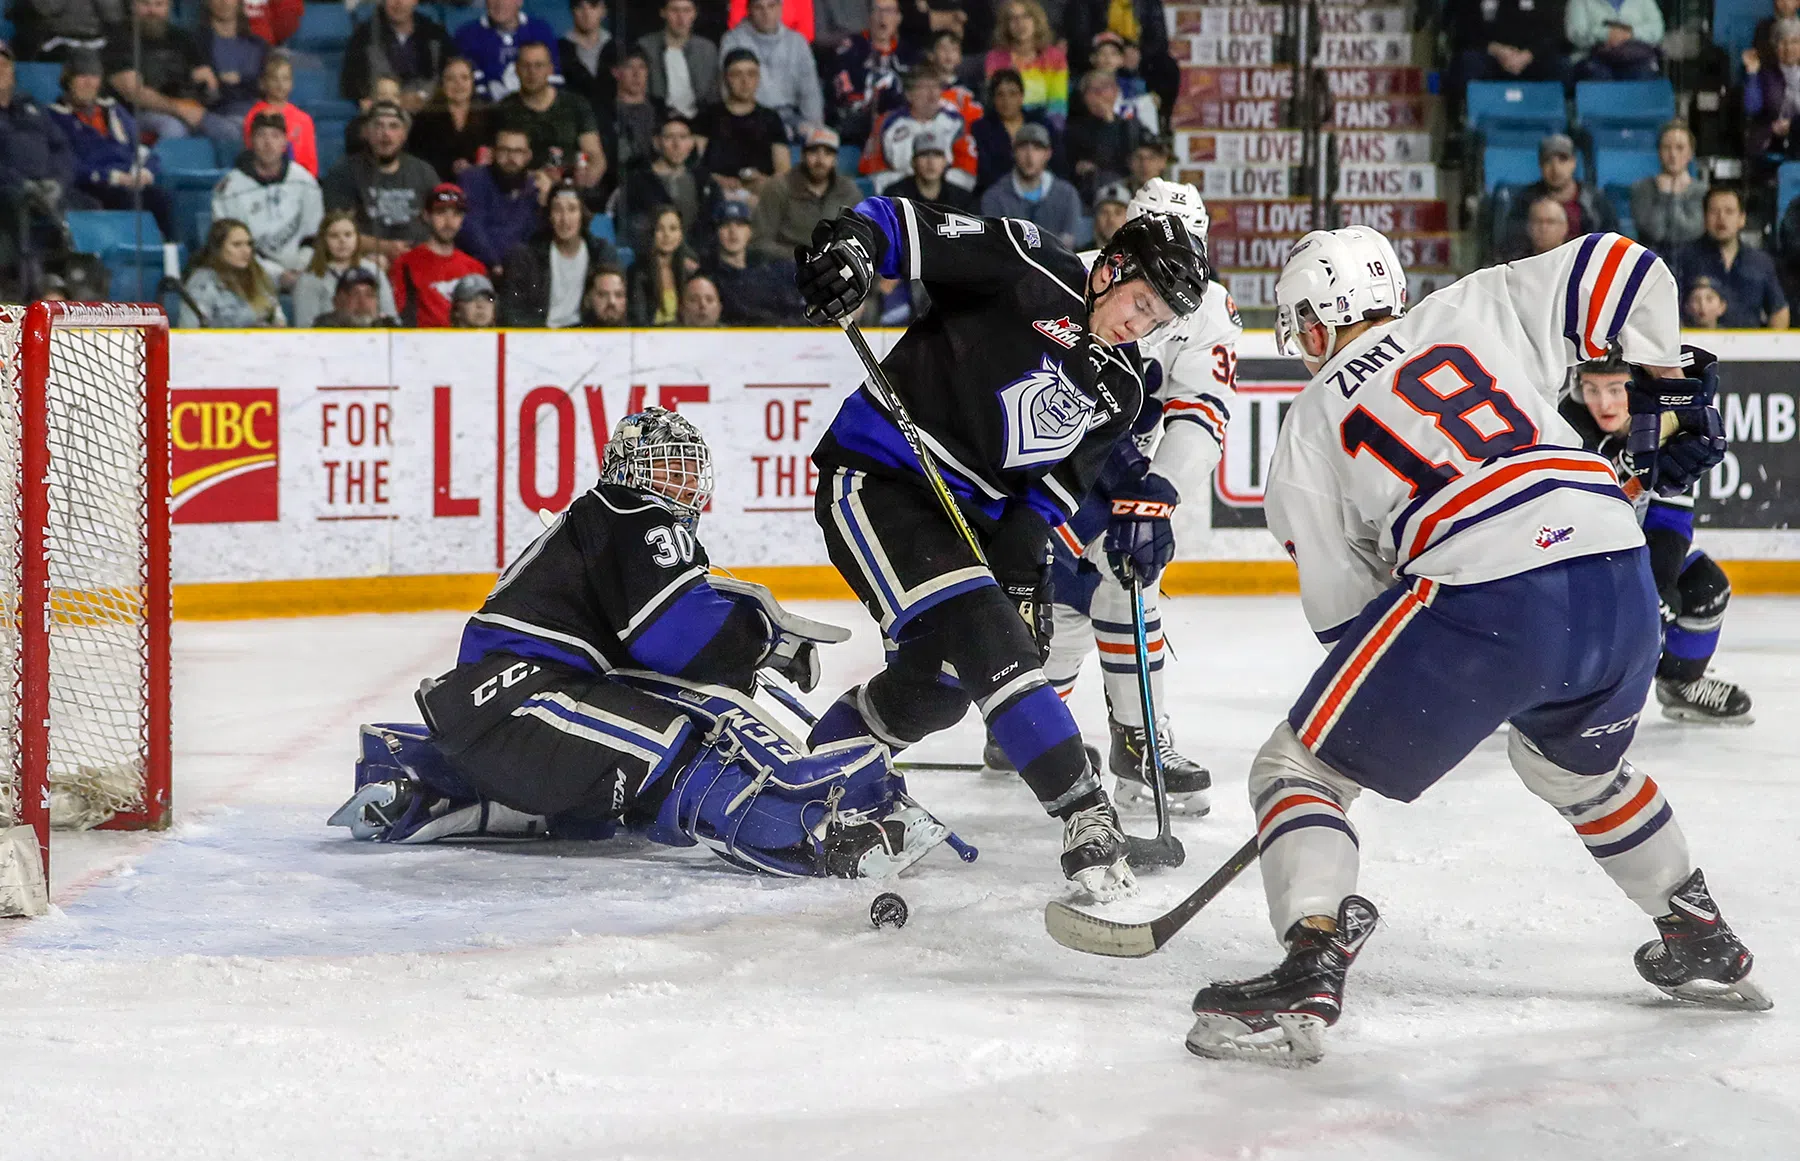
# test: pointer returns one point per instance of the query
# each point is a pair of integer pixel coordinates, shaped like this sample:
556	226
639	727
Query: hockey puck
888	910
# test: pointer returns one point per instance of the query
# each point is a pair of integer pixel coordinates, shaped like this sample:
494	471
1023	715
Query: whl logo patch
1045	417
1060	331
1548	537
225	455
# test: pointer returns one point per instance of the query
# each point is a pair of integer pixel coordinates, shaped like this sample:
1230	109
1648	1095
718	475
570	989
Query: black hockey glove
1669	459
834	273
1019	555
1140	539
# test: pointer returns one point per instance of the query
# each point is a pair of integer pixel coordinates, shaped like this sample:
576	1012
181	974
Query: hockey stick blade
1154	853
1079	931
937	767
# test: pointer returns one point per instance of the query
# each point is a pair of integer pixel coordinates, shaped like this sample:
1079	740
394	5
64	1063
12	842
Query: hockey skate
1698	959
1282	1016
868	848
404	810
1093	853
1706	699
1186	780
995	763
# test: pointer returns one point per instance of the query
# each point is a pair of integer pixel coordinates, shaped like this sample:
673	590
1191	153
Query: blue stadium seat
111	233
849	157
1533	104
316	91
330	138
626	257
40	80
602	228
1622	167
131	280
323	27
1619	104
1509	165
1787	187
1620	197
202	225
557	16
1734	27
188	163
454	17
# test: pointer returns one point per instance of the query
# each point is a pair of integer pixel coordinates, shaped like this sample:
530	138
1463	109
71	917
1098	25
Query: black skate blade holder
1165	850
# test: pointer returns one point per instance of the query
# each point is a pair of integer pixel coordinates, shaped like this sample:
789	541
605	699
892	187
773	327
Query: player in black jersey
606	681
1693	588
1020	377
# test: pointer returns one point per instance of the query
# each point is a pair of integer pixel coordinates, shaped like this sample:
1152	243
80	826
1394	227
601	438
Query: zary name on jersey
1386	351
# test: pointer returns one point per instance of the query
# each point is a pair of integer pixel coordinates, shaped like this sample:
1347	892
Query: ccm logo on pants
1609	727
505	679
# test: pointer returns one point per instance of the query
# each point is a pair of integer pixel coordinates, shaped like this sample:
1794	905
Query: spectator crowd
644	163
1730	273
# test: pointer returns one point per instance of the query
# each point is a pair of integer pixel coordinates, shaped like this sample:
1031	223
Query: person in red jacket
274	20
425	277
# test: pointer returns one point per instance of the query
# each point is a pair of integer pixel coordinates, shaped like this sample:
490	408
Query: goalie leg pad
764	805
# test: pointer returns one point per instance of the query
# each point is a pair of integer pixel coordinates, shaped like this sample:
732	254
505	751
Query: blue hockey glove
1140	540
1668	459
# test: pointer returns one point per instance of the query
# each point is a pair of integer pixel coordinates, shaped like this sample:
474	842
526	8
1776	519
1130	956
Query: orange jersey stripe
1294	800
1126	650
1602	825
1196	405
1493	480
1608	269
1371	646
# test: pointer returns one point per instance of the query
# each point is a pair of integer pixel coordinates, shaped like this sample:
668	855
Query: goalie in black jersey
607	681
1020	378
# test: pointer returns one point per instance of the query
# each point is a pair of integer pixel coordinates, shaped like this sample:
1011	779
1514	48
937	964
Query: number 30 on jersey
673	544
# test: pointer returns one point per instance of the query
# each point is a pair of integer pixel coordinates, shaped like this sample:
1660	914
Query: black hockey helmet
660	452
1159	249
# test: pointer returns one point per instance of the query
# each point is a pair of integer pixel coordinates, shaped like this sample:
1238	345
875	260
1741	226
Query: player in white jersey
1191	374
1470	566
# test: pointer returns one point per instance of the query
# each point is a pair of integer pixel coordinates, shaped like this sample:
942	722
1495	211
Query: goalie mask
658	451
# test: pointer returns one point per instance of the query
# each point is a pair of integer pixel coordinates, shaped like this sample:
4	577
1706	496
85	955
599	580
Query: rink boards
405	468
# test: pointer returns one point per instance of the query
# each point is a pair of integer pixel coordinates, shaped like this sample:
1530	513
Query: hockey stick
910	431
1165	850
1079	931
939	767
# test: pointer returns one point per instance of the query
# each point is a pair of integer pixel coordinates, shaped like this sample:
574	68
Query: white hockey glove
794	640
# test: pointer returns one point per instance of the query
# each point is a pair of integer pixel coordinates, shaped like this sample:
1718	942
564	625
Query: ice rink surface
254	985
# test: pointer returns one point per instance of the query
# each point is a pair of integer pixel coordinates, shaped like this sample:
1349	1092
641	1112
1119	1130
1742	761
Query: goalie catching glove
1670	465
794	640
834	273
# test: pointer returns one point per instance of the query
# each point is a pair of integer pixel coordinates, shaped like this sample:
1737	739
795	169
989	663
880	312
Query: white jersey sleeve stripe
1499	489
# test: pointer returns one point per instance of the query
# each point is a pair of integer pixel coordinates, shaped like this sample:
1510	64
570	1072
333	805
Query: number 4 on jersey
1448	385
956	225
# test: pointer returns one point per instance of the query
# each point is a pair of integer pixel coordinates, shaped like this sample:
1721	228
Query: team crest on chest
1045	416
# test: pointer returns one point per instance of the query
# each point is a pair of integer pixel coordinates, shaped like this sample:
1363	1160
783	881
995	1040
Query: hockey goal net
84	580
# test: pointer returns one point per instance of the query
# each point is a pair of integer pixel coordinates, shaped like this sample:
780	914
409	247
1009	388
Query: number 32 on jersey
1447	385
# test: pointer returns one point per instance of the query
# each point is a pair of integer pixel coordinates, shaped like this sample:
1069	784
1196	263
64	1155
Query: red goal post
84	567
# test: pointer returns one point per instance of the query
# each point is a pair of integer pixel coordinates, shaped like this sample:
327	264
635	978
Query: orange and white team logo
225	456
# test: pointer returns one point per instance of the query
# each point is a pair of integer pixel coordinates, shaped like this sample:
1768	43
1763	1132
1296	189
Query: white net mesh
97	551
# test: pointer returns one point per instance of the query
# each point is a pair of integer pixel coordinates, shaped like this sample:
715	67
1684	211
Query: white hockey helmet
1175	198
1337	277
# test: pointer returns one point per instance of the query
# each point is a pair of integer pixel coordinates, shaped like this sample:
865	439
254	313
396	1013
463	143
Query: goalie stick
1079	931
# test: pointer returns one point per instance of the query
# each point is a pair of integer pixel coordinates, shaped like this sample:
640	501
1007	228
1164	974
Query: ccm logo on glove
1153	509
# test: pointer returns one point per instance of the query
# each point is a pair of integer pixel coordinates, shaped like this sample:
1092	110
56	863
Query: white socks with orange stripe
1309	851
1622	818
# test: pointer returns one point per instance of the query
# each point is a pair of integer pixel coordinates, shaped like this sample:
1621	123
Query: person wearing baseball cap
791	205
888	157
753	289
1031	191
421	274
275	197
930	162
384	185
356	302
1589	211
472	302
1110	206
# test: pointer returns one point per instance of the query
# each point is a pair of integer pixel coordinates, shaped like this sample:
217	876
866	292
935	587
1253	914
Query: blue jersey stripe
886	217
1572	304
